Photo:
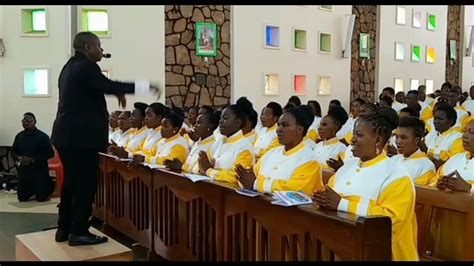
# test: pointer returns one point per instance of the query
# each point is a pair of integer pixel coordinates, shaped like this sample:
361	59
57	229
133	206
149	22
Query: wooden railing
445	224
208	221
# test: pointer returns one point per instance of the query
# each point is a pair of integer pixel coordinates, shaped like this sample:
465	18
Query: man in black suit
80	132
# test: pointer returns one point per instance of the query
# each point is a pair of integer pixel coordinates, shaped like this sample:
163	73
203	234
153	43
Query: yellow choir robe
124	137
147	148
429	101
293	170
463	163
419	167
313	132
329	149
267	139
381	187
175	147
443	146
191	164
136	140
233	151
429	125
426	112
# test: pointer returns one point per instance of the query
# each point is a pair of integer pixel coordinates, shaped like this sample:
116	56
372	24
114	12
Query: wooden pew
445	224
209	221
128	200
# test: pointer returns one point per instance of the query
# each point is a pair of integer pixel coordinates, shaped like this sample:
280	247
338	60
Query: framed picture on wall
364	45
206	39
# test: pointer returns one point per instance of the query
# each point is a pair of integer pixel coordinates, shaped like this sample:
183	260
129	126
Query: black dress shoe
61	235
88	239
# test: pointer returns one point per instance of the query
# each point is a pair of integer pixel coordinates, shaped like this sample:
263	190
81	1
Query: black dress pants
80	185
34	181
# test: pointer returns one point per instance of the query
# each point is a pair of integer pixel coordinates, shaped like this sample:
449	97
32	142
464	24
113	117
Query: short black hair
30	114
316	106
127	114
456	89
289	105
295	99
253	119
414	123
213	118
248	110
159	109
242	110
387	99
449	111
412	111
338	115
447	85
178	111
207	108
389	89
276	108
415	92
360	100
371	106
301	116
141	107
335	102
175	119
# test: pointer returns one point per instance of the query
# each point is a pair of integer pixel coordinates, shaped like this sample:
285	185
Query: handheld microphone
106	55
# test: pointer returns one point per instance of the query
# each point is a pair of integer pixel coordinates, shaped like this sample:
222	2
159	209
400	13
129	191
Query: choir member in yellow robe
126	129
330	147
313	133
235	150
288	167
114	129
461	113
412	99
445	141
267	137
345	131
153	116
419	167
204	128
373	184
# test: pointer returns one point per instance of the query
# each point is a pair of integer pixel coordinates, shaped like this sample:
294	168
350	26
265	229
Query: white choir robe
191	164
443	146
419	167
329	149
266	140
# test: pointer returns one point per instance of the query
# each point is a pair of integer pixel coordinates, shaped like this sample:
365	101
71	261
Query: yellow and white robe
328	149
147	148
462	117
124	137
234	150
191	164
443	146
313	132
293	170
175	147
381	187
136	140
114	134
462	162
251	136
267	139
419	167
426	111
468	105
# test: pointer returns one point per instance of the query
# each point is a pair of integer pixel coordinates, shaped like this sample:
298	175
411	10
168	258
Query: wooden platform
40	246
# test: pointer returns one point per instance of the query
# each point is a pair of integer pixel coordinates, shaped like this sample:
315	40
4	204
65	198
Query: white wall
250	60
136	45
467	64
389	33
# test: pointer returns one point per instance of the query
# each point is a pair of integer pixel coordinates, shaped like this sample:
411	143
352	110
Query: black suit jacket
82	118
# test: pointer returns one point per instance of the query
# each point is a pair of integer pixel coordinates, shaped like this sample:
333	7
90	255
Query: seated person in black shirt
31	150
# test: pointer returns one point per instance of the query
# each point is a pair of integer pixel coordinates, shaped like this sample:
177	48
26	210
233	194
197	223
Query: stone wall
190	81
453	67
362	69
